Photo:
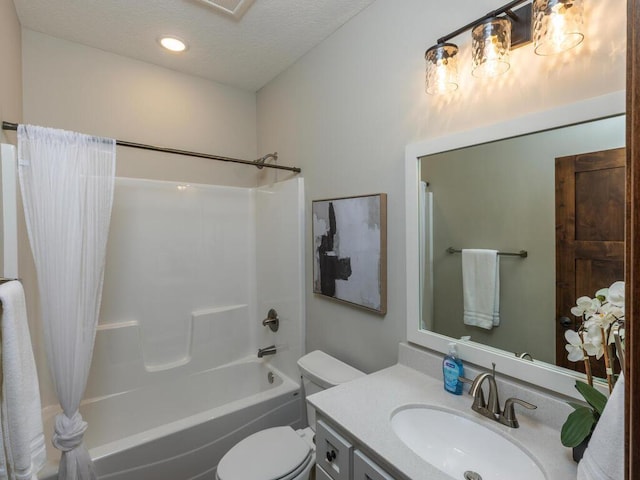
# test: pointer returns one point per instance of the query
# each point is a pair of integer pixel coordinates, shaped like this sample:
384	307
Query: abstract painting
350	250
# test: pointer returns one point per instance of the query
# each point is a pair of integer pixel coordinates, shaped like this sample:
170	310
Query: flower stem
607	360
587	363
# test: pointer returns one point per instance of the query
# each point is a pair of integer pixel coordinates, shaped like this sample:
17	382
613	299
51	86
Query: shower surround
191	272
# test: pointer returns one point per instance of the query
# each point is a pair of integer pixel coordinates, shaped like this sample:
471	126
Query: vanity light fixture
442	68
491	42
173	44
556	26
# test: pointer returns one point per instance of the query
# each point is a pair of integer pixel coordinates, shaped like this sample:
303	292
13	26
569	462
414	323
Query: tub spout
266	351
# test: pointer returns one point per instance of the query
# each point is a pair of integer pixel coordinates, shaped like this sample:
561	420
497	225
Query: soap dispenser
452	368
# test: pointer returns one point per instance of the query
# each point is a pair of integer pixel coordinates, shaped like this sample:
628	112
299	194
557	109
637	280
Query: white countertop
363	409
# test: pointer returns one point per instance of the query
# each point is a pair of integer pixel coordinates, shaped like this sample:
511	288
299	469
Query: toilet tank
321	371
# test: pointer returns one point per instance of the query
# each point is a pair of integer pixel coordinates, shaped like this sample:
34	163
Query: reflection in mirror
503	196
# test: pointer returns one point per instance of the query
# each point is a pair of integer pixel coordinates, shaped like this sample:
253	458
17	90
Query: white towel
481	288
604	457
23	449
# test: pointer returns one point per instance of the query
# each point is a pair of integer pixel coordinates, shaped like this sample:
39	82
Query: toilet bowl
282	453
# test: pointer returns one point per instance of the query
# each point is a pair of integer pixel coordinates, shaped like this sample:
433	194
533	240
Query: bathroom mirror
501	195
517	214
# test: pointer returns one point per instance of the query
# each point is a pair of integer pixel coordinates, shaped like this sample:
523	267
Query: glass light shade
557	25
442	69
491	42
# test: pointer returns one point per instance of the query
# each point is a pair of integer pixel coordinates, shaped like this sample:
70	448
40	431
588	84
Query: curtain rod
259	163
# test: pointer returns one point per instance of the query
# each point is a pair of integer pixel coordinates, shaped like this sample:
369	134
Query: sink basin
458	446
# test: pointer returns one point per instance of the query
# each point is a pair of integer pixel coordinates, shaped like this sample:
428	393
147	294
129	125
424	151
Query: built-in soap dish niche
215	336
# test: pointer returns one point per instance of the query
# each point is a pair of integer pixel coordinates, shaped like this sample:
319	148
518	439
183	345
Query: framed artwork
350	250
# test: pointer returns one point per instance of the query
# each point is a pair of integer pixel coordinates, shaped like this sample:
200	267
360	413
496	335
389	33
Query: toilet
282	453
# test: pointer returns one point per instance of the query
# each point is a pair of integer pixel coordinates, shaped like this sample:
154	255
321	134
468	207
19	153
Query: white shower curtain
67	182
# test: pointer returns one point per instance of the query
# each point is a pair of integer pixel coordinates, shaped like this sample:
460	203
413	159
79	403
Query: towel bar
521	253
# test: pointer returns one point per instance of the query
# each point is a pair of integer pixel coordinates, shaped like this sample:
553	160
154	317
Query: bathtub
180	430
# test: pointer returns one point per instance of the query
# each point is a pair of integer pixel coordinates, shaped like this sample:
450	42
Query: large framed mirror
494	188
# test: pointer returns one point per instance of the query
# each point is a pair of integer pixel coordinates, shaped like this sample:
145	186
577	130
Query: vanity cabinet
365	469
338	459
333	452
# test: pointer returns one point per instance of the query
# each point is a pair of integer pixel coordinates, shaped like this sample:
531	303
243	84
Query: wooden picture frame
350	250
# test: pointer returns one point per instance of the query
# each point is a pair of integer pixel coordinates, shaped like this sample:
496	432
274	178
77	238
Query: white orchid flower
592	338
586	306
599	315
604	293
577	348
574	346
616	295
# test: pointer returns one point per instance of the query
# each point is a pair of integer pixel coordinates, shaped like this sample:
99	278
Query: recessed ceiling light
173	44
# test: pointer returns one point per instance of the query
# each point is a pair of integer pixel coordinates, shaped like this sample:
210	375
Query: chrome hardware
331	456
491	408
270	350
470	475
478	398
566	322
508	417
272	320
525	356
270	377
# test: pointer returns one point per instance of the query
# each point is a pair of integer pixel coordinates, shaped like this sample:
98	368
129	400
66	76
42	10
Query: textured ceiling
245	53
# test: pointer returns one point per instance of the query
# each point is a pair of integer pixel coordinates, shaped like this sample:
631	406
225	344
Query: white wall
345	111
11	71
75	87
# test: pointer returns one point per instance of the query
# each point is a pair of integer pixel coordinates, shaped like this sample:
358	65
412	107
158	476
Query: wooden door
590	220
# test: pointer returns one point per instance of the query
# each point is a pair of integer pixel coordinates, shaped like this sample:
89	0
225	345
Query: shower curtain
67	182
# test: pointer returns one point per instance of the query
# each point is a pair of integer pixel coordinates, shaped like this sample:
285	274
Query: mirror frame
542	374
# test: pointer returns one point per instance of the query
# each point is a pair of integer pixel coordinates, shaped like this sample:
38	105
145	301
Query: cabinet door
365	469
321	474
333	452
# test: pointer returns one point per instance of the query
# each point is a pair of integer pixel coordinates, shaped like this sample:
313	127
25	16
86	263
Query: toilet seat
277	453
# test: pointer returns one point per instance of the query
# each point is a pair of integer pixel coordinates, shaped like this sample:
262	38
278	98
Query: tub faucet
271	350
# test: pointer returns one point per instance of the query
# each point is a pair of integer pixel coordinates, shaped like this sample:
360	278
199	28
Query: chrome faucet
272	321
491	408
508	416
271	350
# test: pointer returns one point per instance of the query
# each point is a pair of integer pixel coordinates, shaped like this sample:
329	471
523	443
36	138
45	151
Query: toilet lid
269	454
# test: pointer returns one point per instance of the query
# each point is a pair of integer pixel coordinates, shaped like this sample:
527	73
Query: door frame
632	248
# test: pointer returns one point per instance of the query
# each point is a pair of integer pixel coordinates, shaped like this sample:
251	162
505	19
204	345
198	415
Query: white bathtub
180	430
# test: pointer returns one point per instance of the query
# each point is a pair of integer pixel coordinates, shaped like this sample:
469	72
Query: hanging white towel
481	288
604	457
23	449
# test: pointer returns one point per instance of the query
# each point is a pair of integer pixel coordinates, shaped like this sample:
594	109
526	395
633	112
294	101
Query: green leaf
578	426
593	397
576	406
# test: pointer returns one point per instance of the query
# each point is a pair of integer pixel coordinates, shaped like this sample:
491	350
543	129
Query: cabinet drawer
333	452
365	469
321	474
